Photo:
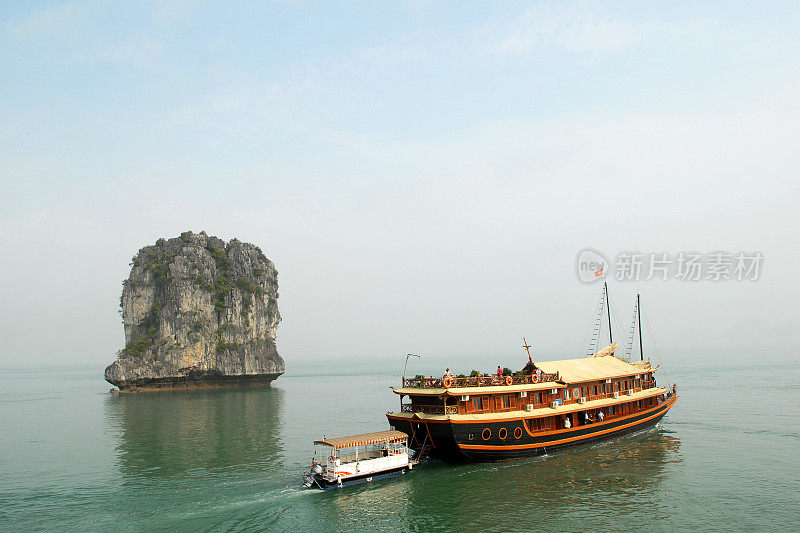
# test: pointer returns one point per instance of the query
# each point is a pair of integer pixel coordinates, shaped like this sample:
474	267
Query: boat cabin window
506	401
477	403
566	394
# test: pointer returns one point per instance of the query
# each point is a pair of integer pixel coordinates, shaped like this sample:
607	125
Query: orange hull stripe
604	423
561	441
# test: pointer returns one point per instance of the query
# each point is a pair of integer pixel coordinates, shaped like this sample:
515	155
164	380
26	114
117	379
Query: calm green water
72	455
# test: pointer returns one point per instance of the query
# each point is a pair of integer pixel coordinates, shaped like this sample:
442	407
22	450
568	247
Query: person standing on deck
499	371
567	424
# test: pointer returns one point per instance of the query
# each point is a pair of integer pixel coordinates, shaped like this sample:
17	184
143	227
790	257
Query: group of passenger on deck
587	418
448	374
499	373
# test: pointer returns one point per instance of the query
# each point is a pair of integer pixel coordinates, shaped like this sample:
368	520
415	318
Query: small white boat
359	459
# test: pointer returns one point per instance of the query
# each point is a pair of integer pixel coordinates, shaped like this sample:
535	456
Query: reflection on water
620	476
228	455
577	483
167	433
230	460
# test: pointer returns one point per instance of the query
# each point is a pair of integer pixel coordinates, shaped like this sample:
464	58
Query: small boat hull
324	484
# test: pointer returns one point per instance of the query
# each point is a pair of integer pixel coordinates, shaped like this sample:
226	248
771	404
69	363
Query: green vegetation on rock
221	290
197	300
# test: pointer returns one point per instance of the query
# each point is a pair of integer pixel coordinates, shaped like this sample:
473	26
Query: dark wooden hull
464	441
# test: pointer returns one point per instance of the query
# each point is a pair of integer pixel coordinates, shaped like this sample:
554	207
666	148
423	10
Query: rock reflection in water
166	433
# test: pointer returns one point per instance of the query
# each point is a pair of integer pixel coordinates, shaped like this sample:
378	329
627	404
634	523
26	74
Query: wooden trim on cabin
494	447
594	424
623	400
574	407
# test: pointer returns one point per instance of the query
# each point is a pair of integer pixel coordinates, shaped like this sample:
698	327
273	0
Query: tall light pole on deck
406	366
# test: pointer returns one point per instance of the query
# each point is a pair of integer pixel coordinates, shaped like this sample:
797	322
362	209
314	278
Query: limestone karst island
198	311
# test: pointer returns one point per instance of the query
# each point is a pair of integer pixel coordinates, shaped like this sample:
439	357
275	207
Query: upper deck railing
486	380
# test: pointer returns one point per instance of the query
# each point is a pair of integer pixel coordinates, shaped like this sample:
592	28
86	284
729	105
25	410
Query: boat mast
608	310
527	349
639	316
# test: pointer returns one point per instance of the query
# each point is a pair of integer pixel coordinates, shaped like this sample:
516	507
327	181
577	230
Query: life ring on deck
534	378
447	382
509	380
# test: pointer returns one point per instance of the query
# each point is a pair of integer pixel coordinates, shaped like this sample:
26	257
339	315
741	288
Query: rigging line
597	321
594	343
667	375
631	334
615	315
618	323
655	356
652	337
620	320
585	343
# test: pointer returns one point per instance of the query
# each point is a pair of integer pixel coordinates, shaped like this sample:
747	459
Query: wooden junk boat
359	459
548	406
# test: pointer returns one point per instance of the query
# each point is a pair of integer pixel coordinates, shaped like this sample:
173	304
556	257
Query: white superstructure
359	458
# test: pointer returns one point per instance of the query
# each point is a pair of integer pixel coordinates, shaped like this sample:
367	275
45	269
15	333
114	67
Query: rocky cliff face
198	310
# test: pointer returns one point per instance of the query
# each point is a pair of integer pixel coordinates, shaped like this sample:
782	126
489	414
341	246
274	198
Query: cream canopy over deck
364	439
592	368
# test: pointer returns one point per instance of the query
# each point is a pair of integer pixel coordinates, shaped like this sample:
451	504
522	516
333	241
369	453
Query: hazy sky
422	173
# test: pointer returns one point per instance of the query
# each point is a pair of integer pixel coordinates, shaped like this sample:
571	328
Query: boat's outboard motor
310	477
